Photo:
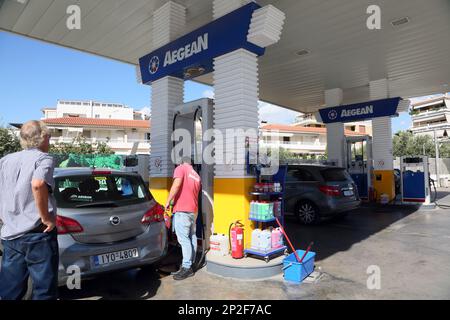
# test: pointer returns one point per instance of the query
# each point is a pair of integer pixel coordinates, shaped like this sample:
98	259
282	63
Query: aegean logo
357	112
197	46
332	115
154	65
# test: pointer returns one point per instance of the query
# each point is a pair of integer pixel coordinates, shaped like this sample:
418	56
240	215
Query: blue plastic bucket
297	272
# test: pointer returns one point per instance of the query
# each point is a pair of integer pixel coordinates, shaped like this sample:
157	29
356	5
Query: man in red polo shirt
184	194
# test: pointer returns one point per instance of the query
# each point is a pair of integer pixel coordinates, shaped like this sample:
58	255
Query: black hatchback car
315	192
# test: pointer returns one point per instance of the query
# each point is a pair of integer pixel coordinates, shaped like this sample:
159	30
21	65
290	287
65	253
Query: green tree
444	150
9	142
80	153
285	155
405	143
103	148
81	147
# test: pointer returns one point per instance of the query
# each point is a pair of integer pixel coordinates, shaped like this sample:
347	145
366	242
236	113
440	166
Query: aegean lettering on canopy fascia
187	51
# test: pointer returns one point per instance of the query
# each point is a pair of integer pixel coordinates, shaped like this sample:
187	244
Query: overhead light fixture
193	72
399	22
303	52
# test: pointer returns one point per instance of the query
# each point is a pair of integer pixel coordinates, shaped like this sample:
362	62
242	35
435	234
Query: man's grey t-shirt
18	209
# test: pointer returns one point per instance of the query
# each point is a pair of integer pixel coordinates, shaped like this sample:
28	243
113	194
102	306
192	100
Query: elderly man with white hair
28	212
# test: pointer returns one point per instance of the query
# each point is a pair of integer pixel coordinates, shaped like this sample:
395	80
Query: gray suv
314	192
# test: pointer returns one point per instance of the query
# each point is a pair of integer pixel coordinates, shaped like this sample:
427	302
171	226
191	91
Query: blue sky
35	74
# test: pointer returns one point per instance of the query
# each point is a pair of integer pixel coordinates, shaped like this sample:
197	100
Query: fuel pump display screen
412	160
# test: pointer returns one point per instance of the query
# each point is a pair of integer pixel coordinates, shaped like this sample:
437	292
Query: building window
147	136
362	129
97	116
286	139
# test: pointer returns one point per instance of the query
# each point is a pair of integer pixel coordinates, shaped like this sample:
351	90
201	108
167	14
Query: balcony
419	115
294	145
115	144
431	127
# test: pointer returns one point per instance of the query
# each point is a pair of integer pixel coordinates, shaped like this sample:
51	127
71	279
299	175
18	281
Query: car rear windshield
114	190
335	174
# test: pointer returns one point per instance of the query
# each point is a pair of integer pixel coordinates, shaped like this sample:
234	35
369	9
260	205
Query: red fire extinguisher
236	236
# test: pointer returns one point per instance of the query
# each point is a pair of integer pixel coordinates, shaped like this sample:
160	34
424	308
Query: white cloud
146	111
267	112
274	114
423	98
208	94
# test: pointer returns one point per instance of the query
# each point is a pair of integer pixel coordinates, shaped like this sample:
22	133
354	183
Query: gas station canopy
325	44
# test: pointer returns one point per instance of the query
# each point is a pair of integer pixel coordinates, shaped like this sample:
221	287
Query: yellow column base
384	182
232	203
160	187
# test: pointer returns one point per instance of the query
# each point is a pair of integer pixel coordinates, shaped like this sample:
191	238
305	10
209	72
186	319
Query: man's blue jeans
35	255
185	229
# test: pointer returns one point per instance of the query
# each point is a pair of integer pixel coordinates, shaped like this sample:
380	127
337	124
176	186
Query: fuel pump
197	117
414	178
359	163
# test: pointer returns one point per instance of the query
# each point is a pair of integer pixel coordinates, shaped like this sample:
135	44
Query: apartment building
125	130
309	121
430	115
300	140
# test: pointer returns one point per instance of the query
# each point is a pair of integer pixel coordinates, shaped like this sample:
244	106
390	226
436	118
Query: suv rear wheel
307	213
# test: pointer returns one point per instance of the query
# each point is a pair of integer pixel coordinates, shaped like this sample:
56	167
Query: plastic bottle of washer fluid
277	208
277	238
270	210
255	238
266	210
256	210
252	209
262	210
265	240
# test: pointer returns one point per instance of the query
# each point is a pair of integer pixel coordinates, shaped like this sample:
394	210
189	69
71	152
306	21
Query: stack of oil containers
219	244
266	240
264	210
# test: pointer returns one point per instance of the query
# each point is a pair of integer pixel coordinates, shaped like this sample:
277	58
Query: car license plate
114	257
348	193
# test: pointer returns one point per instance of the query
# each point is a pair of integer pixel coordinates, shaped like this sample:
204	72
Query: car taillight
155	214
330	190
66	225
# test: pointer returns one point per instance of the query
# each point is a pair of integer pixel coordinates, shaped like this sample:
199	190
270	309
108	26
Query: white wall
84	109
